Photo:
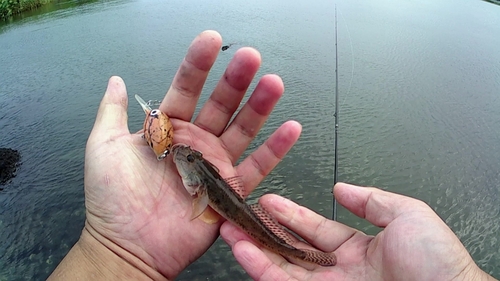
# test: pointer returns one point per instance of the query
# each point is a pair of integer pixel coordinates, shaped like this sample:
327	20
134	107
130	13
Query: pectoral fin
202	211
209	216
200	203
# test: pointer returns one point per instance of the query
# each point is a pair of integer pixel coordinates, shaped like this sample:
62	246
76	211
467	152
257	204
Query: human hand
415	243
138	206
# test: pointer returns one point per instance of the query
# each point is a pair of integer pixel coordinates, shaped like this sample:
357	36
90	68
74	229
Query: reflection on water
420	117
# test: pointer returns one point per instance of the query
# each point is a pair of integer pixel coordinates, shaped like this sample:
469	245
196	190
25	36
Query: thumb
111	120
377	206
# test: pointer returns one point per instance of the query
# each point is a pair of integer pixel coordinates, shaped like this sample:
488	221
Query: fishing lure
158	130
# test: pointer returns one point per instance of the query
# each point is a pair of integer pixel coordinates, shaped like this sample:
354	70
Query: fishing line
352	57
336	115
336	158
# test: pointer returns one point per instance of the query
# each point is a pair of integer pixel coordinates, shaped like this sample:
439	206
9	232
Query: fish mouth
176	148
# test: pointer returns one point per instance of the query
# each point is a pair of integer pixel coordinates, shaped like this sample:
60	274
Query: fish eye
155	112
190	158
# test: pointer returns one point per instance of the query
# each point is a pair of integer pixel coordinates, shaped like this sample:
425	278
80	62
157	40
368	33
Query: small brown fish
226	196
158	130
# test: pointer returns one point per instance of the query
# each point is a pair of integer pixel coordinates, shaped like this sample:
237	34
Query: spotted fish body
158	130
202	180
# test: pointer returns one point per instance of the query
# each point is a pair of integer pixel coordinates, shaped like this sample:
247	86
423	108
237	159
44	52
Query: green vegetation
13	7
494	1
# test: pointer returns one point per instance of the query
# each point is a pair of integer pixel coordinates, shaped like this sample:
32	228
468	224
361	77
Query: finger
260	163
257	264
245	253
232	235
253	260
180	100
111	120
227	95
252	116
319	231
377	206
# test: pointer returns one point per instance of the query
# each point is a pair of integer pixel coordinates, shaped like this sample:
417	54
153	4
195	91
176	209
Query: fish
158	130
227	197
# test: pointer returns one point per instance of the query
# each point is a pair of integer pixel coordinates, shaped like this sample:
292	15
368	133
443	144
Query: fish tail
321	258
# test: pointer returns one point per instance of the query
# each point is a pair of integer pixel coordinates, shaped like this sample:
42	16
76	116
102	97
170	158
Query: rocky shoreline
9	162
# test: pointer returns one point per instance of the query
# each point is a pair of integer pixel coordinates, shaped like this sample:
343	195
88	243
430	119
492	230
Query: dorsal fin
236	183
321	258
272	224
312	256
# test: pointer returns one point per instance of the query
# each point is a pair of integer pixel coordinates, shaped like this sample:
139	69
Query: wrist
93	259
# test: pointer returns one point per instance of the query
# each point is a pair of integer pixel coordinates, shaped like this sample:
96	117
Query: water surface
419	84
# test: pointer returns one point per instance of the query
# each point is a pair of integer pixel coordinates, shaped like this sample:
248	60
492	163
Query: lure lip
143	104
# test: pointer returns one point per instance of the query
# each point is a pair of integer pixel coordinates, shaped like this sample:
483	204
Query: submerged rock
9	161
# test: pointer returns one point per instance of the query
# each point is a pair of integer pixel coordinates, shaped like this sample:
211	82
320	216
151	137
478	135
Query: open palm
139	204
415	243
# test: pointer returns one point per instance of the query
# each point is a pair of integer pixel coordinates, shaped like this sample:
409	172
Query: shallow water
419	85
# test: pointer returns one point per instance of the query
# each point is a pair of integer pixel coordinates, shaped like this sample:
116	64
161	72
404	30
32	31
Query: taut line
336	161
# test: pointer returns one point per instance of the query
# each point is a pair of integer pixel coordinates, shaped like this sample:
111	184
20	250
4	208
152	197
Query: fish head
188	161
190	166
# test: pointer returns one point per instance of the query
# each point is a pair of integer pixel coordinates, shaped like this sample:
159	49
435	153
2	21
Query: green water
419	85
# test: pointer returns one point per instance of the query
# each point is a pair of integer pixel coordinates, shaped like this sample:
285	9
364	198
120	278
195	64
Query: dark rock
9	161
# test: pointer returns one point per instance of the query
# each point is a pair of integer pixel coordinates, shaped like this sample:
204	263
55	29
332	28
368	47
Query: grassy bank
13	7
